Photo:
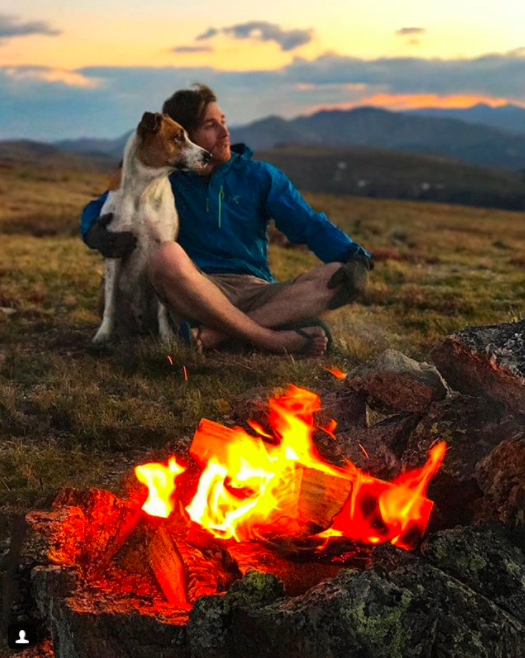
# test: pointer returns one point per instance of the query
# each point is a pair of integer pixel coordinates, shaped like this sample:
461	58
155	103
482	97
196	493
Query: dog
144	204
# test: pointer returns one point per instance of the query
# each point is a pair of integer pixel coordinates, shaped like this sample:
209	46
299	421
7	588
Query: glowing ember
336	372
363	450
277	484
160	481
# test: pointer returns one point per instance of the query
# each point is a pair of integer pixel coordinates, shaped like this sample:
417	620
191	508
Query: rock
467	623
403	606
501	477
354	614
346	407
483	558
82	627
472	427
488	361
211	621
378	449
393	382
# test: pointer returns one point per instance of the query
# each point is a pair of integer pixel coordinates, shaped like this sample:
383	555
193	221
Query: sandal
185	335
301	325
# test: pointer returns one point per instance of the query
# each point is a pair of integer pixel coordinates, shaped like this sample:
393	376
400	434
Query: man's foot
298	338
209	338
306	341
191	337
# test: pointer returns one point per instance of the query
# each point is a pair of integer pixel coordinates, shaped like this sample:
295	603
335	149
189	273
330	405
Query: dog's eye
179	137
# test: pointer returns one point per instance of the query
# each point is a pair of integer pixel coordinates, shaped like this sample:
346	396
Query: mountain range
483	135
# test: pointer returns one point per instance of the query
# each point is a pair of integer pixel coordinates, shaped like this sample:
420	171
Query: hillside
357	171
50	155
388	174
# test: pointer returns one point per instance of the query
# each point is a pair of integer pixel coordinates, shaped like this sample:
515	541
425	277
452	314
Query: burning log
168	567
182	570
305	499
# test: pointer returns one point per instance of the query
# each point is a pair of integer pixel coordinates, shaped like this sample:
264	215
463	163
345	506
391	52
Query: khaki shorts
245	291
248	292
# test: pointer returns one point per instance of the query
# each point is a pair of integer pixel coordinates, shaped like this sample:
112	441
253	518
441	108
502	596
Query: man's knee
319	275
168	261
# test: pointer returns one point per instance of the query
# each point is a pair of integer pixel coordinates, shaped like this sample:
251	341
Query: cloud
408	31
262	31
498	75
11	26
42	103
49	74
192	49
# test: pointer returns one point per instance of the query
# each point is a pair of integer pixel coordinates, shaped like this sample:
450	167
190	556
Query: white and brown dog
144	204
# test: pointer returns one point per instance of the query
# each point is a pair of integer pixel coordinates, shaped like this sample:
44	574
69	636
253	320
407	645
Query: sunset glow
68	65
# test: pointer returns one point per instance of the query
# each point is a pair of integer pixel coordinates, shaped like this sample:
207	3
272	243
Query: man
217	274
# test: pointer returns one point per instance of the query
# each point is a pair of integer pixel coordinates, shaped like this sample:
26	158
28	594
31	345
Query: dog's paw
101	337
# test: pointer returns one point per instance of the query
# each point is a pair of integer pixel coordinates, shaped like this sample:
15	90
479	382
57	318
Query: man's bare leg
192	295
308	297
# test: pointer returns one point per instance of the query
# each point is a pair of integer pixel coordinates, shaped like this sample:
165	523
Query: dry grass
73	414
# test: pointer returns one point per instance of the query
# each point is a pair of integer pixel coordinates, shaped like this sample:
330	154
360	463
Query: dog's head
164	143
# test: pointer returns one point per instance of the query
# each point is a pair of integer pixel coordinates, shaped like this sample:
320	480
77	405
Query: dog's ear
150	123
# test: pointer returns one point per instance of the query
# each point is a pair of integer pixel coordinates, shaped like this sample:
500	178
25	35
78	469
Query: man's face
211	134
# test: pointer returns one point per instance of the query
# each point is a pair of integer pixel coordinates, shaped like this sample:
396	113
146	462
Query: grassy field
73	414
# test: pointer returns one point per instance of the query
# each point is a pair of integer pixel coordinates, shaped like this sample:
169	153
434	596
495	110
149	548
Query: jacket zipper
221	197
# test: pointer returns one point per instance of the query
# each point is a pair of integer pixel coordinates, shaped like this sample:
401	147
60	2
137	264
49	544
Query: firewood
168	567
309	499
182	570
215	440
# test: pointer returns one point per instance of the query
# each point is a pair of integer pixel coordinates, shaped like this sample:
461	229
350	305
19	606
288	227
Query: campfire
282	533
272	488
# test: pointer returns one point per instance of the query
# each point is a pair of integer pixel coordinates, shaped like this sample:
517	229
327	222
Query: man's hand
351	279
110	244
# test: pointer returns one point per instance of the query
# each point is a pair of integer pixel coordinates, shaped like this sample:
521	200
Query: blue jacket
223	218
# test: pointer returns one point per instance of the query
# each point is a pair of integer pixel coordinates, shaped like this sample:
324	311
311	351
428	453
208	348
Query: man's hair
187	106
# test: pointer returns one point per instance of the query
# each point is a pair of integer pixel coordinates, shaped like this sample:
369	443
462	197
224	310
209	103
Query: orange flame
251	483
160	481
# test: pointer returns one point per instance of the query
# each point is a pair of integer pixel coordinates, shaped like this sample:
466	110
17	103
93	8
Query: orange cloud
418	101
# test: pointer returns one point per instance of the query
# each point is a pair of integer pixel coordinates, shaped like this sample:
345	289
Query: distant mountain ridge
509	118
377	128
113	148
458	133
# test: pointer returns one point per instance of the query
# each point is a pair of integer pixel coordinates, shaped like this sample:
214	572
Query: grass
72	414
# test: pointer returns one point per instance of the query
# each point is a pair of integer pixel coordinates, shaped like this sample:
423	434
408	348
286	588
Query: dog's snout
206	157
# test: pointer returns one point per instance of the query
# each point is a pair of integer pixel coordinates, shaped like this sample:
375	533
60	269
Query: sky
72	69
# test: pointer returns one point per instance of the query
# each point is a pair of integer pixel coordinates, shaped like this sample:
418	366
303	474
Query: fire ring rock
393	382
488	361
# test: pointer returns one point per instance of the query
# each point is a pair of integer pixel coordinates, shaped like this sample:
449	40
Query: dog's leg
165	331
111	276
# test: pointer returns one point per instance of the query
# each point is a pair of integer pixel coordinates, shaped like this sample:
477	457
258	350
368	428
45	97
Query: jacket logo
236	198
